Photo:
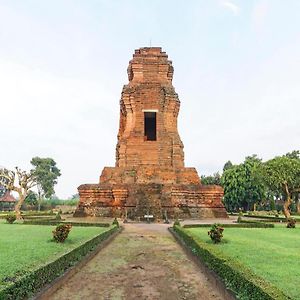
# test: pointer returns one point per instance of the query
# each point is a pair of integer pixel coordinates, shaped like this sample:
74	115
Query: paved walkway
143	262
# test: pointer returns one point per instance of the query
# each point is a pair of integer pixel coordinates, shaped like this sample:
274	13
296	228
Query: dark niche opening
150	126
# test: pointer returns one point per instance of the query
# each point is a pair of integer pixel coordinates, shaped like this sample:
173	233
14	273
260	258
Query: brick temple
149	176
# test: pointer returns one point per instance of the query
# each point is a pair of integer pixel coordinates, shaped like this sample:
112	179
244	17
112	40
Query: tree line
255	181
42	177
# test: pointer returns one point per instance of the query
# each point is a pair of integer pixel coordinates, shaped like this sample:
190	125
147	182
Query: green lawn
24	247
272	253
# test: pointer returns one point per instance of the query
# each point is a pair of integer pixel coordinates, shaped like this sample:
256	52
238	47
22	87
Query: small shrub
115	222
291	223
61	232
216	233
58	216
239	219
176	223
10	218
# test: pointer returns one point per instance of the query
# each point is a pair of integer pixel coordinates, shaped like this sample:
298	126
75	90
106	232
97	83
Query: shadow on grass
224	241
66	242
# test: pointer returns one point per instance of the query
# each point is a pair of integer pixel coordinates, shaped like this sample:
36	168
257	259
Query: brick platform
149	176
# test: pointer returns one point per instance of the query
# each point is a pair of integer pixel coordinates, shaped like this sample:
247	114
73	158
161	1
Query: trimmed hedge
3	216
57	222
42	222
45	218
242	224
38	213
30	214
29	283
257	224
236	277
89	224
267	218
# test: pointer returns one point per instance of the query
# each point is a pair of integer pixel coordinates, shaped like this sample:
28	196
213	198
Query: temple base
135	193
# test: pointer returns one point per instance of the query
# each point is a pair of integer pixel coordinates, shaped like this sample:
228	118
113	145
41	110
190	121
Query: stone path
143	262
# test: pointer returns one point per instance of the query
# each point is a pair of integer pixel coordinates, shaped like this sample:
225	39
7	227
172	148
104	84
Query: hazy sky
63	64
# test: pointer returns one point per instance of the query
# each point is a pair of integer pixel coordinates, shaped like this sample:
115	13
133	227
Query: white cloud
61	79
48	116
235	9
259	15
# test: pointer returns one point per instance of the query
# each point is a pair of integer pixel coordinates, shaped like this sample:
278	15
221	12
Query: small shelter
7	202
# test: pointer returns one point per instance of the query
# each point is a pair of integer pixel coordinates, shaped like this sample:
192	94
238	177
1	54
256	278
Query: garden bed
254	263
56	222
29	258
243	224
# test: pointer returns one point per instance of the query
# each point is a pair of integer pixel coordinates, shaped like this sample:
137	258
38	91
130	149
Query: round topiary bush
58	217
10	218
176	223
291	223
239	219
216	233
61	232
115	222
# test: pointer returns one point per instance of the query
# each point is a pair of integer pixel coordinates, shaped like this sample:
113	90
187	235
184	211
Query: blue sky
63	65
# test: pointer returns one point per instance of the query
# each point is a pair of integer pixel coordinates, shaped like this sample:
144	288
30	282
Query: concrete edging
212	276
57	283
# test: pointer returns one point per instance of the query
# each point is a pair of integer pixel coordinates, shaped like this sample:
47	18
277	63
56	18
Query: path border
211	275
57	283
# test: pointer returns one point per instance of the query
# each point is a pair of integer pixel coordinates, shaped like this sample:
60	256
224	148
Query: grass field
272	253
24	247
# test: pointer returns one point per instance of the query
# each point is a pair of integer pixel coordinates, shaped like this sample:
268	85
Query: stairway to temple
148	200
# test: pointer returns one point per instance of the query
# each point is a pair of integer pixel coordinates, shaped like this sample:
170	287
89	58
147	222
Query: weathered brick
149	175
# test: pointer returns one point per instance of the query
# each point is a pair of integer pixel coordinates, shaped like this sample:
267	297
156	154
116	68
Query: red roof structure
8	198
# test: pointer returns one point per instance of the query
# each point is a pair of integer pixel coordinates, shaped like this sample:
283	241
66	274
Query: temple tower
148	118
149	175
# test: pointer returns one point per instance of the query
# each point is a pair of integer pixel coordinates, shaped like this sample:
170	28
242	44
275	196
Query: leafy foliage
58	217
46	172
282	176
291	223
214	179
255	182
228	165
243	185
239	219
20	182
216	233
61	232
31	198
23	286
115	222
10	218
239	279
282	172
176	223
3	182
295	154
243	224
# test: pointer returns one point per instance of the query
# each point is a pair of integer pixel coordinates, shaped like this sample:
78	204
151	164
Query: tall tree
20	182
214	179
227	165
31	198
46	173
255	190
243	185
233	181
3	183
296	155
282	175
